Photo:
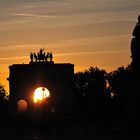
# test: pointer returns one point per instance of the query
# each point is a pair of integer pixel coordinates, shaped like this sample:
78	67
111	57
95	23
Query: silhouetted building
24	79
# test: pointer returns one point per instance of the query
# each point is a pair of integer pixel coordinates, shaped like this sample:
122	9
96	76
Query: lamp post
43	89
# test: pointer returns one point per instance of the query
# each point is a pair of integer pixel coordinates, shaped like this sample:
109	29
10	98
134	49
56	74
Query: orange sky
85	33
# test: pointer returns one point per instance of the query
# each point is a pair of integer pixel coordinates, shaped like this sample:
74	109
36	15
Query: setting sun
40	94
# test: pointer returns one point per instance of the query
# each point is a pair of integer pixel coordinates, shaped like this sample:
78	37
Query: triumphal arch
54	81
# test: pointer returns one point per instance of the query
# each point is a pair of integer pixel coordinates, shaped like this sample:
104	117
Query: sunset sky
83	32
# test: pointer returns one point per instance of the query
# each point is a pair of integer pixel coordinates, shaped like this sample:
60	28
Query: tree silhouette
2	92
82	91
90	88
91	81
118	83
4	106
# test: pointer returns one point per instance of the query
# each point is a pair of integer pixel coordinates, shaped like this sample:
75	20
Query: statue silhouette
47	57
31	57
35	57
41	55
41	51
136	31
135	44
51	56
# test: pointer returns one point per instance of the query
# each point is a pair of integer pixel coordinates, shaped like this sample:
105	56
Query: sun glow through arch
40	94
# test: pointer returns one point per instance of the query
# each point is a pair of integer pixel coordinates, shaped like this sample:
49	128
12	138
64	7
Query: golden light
40	94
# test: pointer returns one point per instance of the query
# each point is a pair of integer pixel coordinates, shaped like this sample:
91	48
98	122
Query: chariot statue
41	56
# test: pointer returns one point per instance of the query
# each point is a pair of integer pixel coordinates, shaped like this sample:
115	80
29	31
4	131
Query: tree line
101	93
97	92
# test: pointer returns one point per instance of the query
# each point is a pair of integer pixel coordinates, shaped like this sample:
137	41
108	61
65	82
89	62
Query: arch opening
40	94
21	106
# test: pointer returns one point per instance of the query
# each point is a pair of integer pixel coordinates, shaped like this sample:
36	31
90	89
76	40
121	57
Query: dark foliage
2	92
90	91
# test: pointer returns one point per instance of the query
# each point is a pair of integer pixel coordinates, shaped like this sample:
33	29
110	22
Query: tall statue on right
132	85
135	46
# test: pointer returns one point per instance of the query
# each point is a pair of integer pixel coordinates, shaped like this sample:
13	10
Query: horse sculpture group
41	56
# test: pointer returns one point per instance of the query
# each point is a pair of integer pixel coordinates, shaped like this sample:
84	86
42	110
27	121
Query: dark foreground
69	133
66	130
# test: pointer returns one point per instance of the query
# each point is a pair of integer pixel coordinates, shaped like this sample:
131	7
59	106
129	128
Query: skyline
85	33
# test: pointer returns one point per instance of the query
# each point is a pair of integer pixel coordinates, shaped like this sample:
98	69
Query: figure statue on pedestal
136	31
51	56
35	57
135	44
31	56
